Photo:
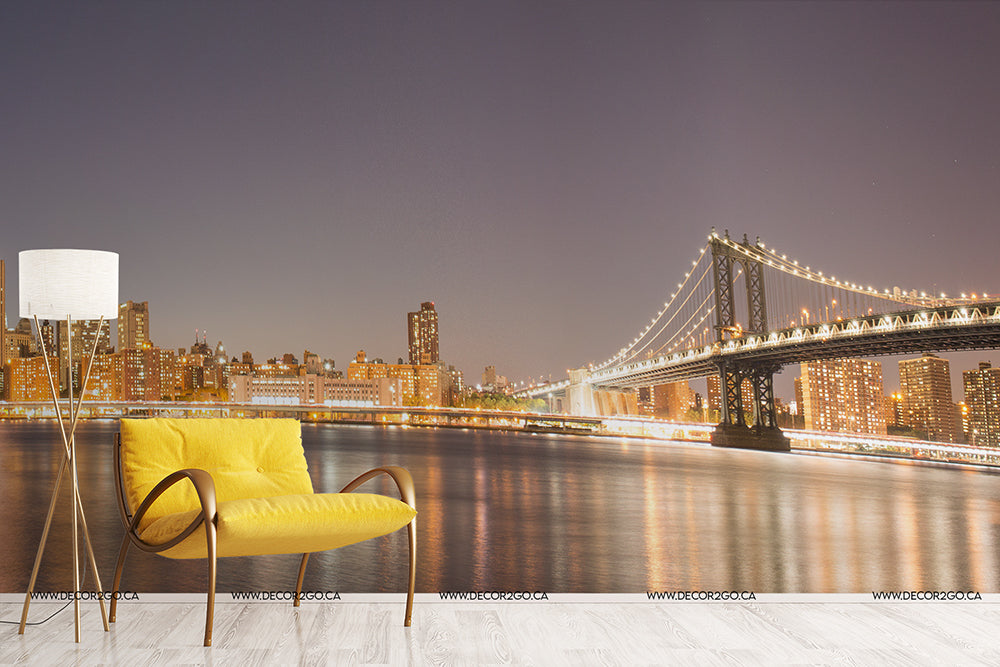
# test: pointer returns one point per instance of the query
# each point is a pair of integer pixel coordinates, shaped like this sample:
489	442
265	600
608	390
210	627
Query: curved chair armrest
402	478
204	486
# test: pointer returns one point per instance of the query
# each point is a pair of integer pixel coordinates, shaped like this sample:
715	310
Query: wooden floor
518	633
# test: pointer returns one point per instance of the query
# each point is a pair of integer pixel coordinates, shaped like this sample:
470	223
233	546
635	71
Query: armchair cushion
247	458
285	524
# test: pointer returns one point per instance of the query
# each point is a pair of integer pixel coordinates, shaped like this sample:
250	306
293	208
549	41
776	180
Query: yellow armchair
246	482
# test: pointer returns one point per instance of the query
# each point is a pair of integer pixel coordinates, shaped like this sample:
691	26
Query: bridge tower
734	431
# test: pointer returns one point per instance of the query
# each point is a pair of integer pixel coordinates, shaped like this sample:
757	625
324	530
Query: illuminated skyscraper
982	396
83	342
927	404
422	327
843	395
133	325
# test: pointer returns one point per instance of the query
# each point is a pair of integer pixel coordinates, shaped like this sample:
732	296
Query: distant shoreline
690	432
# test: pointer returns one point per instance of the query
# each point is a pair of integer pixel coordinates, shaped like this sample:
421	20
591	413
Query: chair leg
210	611
302	574
411	531
119	568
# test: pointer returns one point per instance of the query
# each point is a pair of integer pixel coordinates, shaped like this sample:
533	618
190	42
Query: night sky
300	175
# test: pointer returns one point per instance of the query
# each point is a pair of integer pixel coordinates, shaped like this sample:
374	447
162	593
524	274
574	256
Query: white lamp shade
57	284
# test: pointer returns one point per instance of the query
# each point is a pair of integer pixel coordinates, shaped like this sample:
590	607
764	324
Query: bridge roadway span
940	329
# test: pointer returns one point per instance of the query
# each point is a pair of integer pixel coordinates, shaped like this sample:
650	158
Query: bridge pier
740	436
733	431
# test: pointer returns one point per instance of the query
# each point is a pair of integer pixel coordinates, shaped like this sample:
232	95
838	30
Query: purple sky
301	175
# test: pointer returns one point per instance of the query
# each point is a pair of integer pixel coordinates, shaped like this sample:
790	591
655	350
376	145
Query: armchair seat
301	523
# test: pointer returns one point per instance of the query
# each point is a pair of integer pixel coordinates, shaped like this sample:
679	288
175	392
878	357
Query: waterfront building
312	389
165	361
374	370
240	368
673	400
105	378
422	333
925	384
275	370
431	384
423	384
28	379
982	396
843	395
138	383
133	325
200	370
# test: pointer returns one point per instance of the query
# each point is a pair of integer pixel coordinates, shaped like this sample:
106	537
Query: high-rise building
19	341
105	378
982	396
84	332
29	380
422	328
146	374
927	404
133	325
843	395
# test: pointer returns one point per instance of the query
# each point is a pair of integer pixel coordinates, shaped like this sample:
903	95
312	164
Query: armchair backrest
247	458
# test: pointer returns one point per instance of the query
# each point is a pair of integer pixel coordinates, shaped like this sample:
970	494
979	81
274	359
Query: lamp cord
53	614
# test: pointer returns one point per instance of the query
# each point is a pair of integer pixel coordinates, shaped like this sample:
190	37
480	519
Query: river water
509	511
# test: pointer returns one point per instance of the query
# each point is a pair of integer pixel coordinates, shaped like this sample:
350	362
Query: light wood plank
519	634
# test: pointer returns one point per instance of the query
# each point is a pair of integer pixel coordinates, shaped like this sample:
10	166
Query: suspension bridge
743	311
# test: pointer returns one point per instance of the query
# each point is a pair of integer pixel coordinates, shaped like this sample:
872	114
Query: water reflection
511	511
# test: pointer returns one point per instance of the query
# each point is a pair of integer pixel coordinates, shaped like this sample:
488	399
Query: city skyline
292	181
133	323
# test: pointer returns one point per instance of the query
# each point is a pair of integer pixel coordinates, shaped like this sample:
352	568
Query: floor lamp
62	284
